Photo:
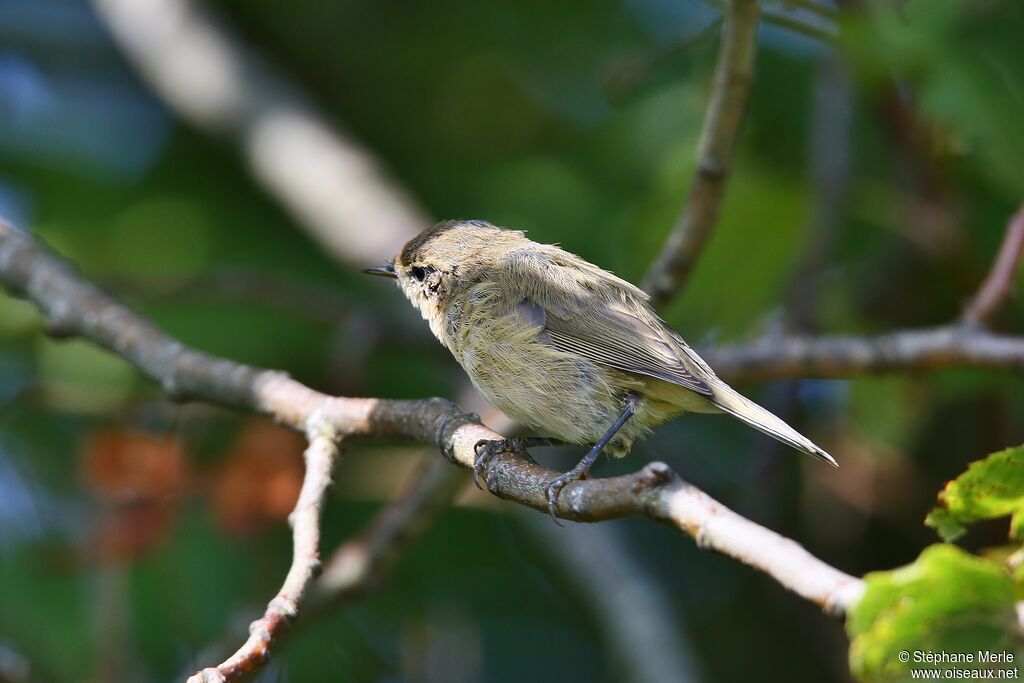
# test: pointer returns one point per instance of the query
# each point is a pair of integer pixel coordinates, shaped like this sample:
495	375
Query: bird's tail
733	403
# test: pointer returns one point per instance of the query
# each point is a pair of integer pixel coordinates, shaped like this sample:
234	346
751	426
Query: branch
362	562
72	306
647	642
733	74
834	356
305	521
996	287
328	182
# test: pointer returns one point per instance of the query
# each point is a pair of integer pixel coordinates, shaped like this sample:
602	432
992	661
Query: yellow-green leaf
990	488
947	601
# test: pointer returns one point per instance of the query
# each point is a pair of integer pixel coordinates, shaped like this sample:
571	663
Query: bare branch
305	521
842	356
75	307
363	562
733	74
646	640
326	179
72	306
997	285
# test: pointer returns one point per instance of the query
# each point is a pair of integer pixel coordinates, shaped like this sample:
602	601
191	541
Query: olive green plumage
558	343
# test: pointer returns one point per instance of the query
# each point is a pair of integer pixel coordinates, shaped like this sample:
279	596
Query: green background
577	122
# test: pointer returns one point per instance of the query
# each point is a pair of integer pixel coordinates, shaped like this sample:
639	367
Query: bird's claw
485	450
554	489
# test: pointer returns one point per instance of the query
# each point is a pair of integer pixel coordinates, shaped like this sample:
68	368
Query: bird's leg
583	466
486	450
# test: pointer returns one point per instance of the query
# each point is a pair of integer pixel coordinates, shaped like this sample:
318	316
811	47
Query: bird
561	345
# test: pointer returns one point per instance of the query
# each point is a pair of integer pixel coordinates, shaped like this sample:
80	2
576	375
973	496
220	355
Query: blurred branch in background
646	639
829	152
331	185
14	668
734	72
997	286
264	288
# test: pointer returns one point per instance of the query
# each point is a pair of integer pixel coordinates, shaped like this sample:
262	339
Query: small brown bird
561	345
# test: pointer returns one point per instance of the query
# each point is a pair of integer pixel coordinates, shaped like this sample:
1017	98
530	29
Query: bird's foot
560	482
486	450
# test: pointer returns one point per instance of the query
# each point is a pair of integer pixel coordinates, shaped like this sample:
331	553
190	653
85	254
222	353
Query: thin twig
284	608
999	282
361	563
733	75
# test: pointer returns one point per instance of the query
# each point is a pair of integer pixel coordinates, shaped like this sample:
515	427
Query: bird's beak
387	270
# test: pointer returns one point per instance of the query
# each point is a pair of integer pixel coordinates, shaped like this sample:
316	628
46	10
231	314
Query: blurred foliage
134	533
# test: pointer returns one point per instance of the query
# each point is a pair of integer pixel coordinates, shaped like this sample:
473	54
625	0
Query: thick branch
733	73
75	307
305	521
997	285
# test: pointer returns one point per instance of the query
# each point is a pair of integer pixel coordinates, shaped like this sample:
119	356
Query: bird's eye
419	272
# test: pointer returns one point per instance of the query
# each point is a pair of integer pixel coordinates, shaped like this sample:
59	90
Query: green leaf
990	488
947	601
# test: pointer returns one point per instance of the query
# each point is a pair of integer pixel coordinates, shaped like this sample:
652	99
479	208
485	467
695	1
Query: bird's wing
591	314
610	336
